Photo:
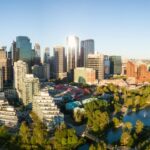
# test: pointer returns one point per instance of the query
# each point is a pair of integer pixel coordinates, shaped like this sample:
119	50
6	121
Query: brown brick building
138	71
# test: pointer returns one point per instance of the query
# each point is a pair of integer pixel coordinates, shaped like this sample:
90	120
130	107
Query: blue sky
119	27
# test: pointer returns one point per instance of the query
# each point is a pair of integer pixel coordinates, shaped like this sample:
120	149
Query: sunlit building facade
59	62
84	75
96	61
72	52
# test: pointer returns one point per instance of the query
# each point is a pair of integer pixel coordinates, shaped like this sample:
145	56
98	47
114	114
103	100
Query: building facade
24	48
1	80
84	75
87	47
73	58
8	115
46	109
115	65
26	84
5	65
30	88
59	62
96	61
139	71
106	66
37	59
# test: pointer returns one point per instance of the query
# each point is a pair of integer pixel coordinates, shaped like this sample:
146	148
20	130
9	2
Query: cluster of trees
36	136
137	98
66	139
102	114
131	134
98	146
97	116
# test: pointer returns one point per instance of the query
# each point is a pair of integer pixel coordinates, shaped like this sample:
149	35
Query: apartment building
46	109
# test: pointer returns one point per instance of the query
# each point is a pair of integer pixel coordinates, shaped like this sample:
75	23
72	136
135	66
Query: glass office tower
72	52
73	56
115	65
87	47
24	48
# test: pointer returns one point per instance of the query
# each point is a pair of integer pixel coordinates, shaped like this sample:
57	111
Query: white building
8	115
30	88
26	84
46	109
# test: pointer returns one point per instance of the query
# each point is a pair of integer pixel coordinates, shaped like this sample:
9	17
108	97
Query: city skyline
119	28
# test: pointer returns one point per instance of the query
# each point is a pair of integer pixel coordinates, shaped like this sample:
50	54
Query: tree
99	90
4	132
116	122
25	133
139	126
66	139
100	146
128	126
126	139
78	115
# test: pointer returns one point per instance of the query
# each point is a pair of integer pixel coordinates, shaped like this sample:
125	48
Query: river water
142	115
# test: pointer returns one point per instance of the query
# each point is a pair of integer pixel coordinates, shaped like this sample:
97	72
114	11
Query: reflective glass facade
24	47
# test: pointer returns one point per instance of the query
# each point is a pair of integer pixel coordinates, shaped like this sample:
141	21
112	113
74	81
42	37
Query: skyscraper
87	47
115	65
4	64
37	59
59	62
1	80
24	48
96	61
106	66
20	70
14	52
72	52
47	55
26	84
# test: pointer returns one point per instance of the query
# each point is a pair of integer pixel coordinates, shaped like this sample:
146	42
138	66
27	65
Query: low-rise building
117	82
85	75
138	70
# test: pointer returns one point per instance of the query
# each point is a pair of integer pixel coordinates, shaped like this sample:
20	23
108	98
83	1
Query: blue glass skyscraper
24	47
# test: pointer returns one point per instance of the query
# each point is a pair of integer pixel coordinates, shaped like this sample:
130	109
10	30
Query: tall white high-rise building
20	70
30	88
26	84
73	56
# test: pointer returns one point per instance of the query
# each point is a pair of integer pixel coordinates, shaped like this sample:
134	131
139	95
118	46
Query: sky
119	27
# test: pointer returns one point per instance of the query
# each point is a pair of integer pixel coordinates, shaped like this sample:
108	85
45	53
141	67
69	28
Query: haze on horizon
118	27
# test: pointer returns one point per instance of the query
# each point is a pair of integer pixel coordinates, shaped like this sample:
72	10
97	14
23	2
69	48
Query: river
142	115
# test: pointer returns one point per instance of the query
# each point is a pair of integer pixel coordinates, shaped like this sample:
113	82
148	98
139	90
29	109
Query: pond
142	115
84	147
